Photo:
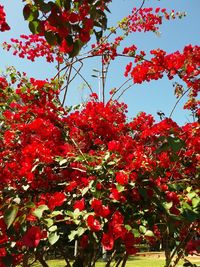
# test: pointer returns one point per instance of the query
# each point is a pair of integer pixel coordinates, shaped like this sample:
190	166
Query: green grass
135	262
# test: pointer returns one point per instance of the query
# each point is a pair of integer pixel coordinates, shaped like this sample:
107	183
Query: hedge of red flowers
89	176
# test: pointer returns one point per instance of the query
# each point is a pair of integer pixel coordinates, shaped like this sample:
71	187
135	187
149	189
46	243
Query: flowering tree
87	175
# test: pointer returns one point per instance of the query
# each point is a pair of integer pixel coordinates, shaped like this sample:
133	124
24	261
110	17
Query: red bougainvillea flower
79	204
93	223
56	200
107	241
2	253
3	24
122	178
100	209
129	240
32	237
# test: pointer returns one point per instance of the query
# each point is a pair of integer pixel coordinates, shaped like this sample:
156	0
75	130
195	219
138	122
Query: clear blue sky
149	97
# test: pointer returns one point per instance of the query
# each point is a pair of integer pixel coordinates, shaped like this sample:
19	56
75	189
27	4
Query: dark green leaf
98	35
175	143
27	11
30	13
34	26
8	261
50	37
46	7
75	51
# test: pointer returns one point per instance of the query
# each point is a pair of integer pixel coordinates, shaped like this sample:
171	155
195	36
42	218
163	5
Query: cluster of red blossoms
3	24
186	65
31	46
80	154
92	175
146	20
67	24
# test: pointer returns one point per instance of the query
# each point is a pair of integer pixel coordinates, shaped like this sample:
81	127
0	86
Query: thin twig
67	85
178	102
124	91
111	258
117	90
78	73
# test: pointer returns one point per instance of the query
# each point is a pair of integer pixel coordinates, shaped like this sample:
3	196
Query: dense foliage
88	175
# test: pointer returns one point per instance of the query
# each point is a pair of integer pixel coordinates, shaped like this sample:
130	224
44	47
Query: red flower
107	241
2	252
79	204
100	209
122	178
93	223
32	237
56	200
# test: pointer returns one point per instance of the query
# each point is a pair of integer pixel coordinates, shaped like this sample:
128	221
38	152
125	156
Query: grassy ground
135	262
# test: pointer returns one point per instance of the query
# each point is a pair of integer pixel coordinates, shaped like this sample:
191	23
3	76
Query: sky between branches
149	97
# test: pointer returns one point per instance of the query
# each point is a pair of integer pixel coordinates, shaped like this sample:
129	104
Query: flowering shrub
3	24
89	175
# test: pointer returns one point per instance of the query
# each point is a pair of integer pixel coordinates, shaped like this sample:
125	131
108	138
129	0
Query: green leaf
128	227
167	205
107	156
53	228
30	13
34	26
142	229
27	11
62	162
7	260
85	190
175	143
53	238
46	7
39	211
10	215
190	215
136	233
59	3
56	213
143	192
50	37
191	195
110	163
48	222
72	235
120	188
80	231
196	202
186	206
76	48
149	233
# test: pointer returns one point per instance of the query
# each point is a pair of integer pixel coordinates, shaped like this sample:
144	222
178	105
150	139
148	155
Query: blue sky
149	97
